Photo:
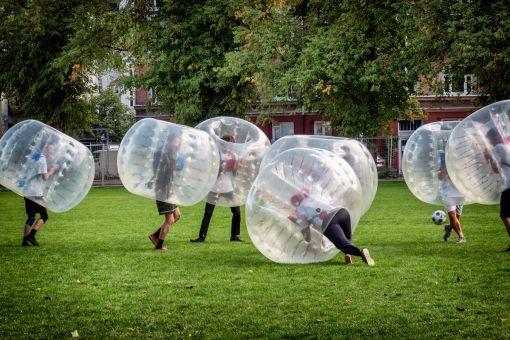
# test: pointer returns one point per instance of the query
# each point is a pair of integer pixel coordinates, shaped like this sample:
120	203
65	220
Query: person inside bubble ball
224	186
165	163
34	192
499	160
335	224
450	197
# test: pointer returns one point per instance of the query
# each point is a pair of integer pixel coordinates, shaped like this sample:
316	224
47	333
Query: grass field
95	273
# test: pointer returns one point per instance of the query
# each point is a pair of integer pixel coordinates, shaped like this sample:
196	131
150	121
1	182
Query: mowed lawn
96	273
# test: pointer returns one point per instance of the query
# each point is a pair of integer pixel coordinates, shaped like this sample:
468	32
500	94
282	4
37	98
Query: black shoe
507	250
32	240
235	239
25	242
447	232
198	240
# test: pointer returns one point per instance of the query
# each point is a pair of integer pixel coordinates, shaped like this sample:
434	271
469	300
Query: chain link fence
105	157
387	153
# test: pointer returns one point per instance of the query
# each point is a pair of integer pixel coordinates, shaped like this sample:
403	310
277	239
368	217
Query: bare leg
165	227
38	225
455	223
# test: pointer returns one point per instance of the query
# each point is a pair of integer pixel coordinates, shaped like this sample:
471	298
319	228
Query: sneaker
25	242
447	232
32	240
365	256
198	239
235	239
507	250
348	259
153	239
461	240
160	249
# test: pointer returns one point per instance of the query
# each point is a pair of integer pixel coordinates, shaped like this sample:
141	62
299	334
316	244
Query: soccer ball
438	217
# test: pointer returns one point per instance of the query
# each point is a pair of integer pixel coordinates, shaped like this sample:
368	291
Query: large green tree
181	47
463	37
112	114
343	58
33	35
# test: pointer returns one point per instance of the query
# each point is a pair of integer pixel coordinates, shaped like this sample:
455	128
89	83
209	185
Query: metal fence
387	153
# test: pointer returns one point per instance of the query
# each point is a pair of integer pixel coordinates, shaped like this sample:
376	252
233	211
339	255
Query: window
457	84
322	128
282	129
408	125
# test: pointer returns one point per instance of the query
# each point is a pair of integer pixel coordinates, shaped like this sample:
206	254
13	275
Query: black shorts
32	208
165	208
505	204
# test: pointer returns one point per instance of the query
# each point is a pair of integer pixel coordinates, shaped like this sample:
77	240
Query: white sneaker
365	255
461	240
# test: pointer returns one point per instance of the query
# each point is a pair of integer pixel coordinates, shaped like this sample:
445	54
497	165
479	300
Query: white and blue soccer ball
438	217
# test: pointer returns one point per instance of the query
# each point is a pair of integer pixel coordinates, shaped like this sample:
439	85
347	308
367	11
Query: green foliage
344	58
184	43
33	34
112	114
464	37
96	273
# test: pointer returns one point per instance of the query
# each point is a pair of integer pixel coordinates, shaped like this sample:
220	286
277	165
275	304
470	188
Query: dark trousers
32	208
339	232
235	228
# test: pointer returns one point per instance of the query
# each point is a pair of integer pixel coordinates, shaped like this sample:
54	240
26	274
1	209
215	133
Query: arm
307	235
50	173
293	217
492	162
442	174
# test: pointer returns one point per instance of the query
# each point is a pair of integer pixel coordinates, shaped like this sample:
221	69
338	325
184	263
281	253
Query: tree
112	114
344	58
183	46
463	37
40	72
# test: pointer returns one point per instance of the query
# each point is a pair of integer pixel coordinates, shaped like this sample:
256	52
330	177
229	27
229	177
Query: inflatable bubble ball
352	151
294	198
45	165
168	162
241	145
424	165
478	153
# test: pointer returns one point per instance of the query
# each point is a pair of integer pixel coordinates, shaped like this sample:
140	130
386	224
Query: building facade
285	117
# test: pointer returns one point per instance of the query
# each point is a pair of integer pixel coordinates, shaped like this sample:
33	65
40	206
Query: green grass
95	273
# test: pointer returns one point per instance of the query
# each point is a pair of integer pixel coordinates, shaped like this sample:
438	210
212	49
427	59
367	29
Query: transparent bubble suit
424	165
239	160
28	143
168	162
476	146
352	151
325	178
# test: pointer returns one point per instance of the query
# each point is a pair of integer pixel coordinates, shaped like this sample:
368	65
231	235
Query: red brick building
288	118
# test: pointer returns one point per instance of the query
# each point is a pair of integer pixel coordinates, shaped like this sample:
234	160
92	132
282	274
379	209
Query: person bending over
335	224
